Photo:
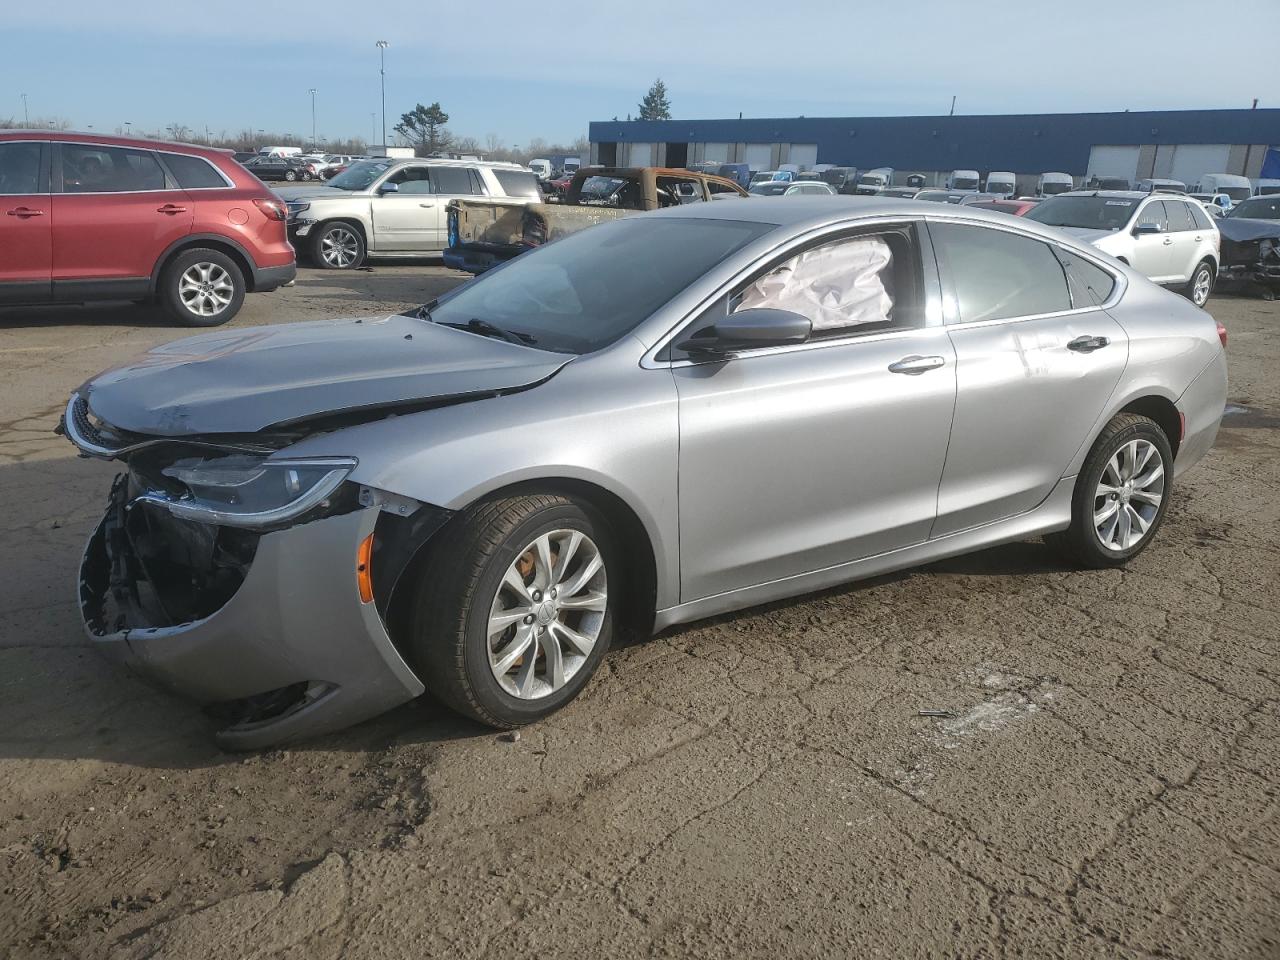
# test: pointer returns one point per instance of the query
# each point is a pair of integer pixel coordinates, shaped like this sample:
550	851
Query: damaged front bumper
276	636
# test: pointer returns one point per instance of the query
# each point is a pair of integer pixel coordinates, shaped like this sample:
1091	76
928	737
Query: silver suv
1167	237
393	207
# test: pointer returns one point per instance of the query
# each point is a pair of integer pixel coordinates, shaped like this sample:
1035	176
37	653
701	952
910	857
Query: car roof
107	140
1111	194
449	162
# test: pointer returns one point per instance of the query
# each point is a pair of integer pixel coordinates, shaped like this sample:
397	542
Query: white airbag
838	285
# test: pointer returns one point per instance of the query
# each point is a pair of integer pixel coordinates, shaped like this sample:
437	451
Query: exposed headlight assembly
249	491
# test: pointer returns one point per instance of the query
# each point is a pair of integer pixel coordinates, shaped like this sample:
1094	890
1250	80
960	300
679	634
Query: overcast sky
521	70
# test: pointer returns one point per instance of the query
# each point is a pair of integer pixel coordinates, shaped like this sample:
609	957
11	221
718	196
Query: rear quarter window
518	183
193	173
1090	284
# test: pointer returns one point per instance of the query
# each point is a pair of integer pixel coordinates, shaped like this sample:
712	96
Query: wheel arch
211	241
1160	409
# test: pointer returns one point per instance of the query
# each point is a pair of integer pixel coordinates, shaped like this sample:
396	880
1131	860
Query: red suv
88	217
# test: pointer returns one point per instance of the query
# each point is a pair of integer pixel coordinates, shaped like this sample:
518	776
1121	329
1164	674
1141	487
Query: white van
279	151
1054	182
1002	183
1265	187
963	181
542	168
1237	188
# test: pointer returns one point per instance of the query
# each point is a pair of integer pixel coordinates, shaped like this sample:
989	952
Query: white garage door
1190	160
1114	162
805	155
758	156
640	155
715	152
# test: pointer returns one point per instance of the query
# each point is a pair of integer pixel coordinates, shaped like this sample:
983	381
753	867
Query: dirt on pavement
1102	781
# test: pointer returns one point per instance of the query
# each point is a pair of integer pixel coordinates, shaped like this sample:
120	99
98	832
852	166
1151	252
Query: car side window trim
43	184
170	185
949	302
660	355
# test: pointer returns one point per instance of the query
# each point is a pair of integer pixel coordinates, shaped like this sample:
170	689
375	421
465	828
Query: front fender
602	420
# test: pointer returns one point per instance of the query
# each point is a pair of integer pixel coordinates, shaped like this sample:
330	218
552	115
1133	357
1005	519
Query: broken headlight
249	491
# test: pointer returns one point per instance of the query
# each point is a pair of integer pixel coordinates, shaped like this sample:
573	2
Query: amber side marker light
364	565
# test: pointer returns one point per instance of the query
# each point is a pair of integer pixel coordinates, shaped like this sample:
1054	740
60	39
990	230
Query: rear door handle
1168	240
426	205
25	212
1087	344
915	365
171	208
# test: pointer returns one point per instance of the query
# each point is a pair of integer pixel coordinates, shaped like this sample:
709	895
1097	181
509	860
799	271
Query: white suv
1166	236
394	207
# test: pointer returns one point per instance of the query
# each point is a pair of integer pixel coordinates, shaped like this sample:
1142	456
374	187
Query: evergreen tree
655	105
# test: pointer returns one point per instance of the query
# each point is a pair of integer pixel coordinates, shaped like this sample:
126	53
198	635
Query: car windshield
871	179
1259	208
1090	213
593	287
770	188
937	196
600	189
964	183
1049	189
360	175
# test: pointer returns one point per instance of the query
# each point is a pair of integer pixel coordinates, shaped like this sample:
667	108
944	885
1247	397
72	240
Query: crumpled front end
281	631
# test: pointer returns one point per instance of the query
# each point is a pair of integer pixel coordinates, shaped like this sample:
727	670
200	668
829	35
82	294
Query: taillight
1222	333
274	209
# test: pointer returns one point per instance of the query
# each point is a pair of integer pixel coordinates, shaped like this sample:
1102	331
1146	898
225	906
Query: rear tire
338	245
519	671
1200	285
201	288
1128	477
290	175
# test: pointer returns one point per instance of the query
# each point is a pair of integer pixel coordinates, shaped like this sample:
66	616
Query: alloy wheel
1202	288
547	614
1128	497
339	247
206	289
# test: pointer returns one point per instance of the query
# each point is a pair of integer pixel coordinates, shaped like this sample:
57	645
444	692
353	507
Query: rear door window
193	173
997	275
21	168
1201	218
454	181
92	169
1179	215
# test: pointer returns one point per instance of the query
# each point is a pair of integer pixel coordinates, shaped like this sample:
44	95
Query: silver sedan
659	419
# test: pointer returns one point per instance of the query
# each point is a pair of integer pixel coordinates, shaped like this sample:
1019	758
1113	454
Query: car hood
243	381
1245	230
1087	234
312	192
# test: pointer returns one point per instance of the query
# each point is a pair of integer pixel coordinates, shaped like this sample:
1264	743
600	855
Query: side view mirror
389	188
1142	228
756	327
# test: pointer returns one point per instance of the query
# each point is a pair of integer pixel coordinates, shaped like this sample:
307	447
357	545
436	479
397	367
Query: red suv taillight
274	209
1222	333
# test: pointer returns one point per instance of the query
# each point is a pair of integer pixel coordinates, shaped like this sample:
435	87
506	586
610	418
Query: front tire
290	175
1201	284
337	246
201	288
514	613
1121	494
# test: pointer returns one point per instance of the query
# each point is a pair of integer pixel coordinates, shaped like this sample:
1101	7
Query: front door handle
1168	240
1087	344
171	208
914	365
25	212
426	205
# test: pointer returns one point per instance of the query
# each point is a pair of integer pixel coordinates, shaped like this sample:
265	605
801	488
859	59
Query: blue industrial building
1178	144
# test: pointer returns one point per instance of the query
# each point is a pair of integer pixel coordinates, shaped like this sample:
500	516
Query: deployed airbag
835	286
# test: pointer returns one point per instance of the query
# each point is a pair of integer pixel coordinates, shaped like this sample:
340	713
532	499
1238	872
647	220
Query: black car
279	168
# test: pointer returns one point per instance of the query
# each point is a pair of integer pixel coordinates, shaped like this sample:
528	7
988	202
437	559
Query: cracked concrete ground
1104	783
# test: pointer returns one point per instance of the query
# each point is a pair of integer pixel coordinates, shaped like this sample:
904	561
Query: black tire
1203	273
170	292
448	640
354	241
1080	542
290	175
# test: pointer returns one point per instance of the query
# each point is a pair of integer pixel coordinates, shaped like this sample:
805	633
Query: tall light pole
312	91
26	115
382	58
128	128
373	127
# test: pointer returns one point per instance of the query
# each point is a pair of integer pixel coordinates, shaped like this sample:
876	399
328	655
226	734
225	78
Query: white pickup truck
391	207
